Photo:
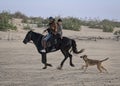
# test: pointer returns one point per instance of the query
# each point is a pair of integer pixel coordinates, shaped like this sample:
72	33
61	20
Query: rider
59	28
52	30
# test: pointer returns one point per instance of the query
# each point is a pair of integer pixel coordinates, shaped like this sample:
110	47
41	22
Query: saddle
52	43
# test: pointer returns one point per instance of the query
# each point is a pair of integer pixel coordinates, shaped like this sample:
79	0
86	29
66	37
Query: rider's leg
45	42
44	46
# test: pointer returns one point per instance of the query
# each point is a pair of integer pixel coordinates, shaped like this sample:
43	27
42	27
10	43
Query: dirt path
20	65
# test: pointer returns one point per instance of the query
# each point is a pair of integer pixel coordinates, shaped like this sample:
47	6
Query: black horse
64	45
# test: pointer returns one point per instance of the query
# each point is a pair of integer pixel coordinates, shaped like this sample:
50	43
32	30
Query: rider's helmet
51	18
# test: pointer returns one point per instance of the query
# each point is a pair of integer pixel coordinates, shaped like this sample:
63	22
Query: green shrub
19	15
71	23
5	24
12	27
39	25
24	20
5	27
27	27
105	25
117	32
107	28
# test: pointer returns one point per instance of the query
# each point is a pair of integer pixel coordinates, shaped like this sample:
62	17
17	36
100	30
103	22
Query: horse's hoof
72	65
49	65
44	68
59	68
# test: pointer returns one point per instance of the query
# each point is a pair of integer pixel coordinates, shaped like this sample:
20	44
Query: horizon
77	8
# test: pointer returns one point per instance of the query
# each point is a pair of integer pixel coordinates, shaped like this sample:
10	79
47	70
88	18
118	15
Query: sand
20	64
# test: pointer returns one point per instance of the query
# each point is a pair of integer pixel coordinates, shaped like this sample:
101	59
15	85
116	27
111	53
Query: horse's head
27	37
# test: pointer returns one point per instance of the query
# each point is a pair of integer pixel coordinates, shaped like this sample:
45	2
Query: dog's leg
86	66
104	69
83	67
99	68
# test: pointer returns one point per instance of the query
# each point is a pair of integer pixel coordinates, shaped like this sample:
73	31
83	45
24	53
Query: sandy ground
20	65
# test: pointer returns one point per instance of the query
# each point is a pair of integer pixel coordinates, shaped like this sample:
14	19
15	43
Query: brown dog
90	62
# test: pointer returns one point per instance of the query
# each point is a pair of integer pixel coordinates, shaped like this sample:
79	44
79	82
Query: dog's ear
85	55
81	56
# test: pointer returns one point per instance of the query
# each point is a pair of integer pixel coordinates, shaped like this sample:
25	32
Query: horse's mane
37	33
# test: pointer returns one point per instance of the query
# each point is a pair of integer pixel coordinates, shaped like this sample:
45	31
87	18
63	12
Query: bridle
30	37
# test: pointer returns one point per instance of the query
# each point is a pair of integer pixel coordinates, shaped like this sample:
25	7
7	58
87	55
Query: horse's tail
74	48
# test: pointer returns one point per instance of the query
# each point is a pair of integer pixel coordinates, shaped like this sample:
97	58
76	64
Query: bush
5	27
27	27
5	24
105	25
19	15
71	23
39	25
24	20
117	32
108	28
12	27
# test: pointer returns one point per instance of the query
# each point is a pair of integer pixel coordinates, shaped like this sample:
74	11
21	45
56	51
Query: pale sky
108	9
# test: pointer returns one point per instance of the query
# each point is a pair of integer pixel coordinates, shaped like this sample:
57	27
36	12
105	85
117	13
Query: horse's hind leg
66	56
70	56
61	65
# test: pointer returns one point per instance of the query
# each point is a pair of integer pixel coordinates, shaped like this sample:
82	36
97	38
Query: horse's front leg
44	60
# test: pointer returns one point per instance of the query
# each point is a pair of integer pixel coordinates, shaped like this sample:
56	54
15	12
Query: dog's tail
104	59
74	48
